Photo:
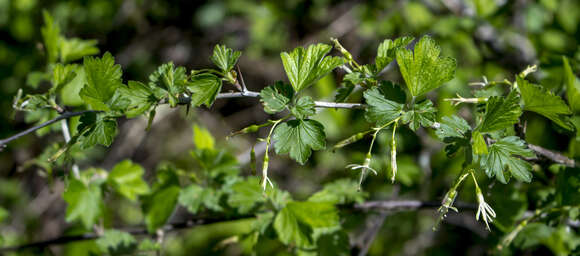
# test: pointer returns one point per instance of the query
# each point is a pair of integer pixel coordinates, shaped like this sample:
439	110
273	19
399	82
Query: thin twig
406	205
554	156
63	116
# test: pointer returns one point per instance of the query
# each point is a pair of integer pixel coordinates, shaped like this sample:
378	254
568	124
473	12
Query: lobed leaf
225	58
422	114
423	70
126	178
538	99
385	103
303	108
103	78
387	51
171	79
306	66
276	97
502	156
205	88
85	202
500	113
299	138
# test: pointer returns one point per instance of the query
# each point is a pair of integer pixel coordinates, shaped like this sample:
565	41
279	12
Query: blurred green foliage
495	39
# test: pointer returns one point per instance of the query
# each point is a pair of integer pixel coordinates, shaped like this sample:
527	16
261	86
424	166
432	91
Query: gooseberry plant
491	142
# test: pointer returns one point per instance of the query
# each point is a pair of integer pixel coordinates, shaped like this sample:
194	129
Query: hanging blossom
487	213
365	167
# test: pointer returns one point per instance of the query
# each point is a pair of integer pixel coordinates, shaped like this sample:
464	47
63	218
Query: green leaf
306	66
387	51
75	48
455	133
205	88
116	242
97	129
194	196
303	108
276	97
422	114
142	98
127	179
538	99
479	146
503	156
103	78
299	138
423	69
572	86
500	113
61	76
296	222
202	138
69	93
171	79
384	103
343	92
85	203
342	191
246	194
159	206
225	58
51	37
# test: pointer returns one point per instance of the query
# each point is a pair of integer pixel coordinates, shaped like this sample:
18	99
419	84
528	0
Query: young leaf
384	103
205	88
297	221
305	66
479	146
423	69
572	86
387	51
85	203
455	133
61	76
276	97
74	49
116	242
299	138
103	78
542	101
246	194
127	179
225	58
202	138
98	129
193	197
141	98
500	113
51	37
171	79
502	155
303	108
422	114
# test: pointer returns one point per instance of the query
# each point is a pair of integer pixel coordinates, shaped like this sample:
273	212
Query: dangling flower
364	168
486	212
